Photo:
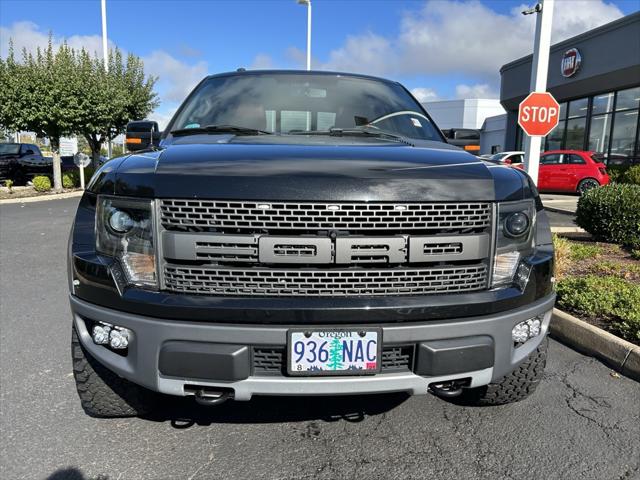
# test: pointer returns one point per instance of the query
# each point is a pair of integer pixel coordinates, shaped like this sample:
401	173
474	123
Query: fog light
100	334
523	331
119	339
534	327
520	332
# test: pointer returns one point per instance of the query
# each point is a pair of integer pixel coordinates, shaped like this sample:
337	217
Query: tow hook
210	398
449	389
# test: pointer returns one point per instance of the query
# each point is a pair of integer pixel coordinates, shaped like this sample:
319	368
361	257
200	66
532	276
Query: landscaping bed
27	192
599	283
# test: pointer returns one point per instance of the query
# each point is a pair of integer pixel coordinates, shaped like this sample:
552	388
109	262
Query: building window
599	131
628	99
578	108
623	137
602	103
576	128
554	139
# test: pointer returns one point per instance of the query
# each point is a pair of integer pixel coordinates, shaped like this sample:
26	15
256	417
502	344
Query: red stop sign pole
538	114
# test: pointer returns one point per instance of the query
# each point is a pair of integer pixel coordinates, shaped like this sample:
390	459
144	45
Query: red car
570	171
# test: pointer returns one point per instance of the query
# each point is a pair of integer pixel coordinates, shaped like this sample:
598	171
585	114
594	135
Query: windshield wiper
355	132
235	129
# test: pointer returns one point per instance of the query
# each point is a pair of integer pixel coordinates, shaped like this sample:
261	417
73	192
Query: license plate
334	352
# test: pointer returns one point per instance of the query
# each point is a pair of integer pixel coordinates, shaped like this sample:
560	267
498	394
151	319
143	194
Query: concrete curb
42	198
567	230
560	210
619	354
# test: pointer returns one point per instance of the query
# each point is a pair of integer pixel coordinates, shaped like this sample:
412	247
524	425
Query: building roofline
601	30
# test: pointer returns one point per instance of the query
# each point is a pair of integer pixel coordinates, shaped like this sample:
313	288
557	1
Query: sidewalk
560	203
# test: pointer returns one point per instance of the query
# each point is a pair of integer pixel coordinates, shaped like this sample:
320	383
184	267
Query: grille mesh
355	282
314	216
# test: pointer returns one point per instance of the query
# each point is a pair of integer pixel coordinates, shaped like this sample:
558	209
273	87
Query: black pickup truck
305	233
21	161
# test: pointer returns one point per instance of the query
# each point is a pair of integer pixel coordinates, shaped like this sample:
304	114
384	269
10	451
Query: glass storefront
606	123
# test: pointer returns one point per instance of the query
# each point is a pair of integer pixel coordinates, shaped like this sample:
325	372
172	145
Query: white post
309	35
82	176
105	52
539	71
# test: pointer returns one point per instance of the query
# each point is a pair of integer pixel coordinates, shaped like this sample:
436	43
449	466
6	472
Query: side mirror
30	152
142	134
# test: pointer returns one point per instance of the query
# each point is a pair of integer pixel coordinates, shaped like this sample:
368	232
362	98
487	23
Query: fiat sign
571	61
538	114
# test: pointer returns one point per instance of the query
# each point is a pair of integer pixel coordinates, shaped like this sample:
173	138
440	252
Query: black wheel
102	392
513	387
587	184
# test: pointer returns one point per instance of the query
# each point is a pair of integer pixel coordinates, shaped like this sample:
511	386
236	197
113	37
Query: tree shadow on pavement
185	412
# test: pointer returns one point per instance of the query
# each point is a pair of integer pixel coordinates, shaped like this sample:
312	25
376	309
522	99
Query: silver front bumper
149	334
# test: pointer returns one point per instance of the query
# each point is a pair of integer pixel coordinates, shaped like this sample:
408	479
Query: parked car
515	158
465	138
21	161
571	171
316	236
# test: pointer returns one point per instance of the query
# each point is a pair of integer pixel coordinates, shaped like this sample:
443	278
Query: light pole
105	54
539	71
308	4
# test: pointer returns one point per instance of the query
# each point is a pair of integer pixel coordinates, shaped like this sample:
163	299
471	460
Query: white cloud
262	61
423	94
462	37
175	77
29	36
368	53
480	90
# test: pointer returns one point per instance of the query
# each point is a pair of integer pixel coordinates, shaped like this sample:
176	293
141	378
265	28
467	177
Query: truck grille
354	282
314	216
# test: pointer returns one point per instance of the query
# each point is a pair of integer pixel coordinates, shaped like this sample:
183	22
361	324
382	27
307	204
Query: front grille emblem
264	206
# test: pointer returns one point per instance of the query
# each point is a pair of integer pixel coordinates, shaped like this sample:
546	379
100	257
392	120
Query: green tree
113	97
335	354
42	94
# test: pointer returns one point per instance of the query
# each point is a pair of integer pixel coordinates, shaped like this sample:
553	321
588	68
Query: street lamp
308	4
105	52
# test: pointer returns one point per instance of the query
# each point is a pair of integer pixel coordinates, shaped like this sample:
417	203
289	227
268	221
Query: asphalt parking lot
582	423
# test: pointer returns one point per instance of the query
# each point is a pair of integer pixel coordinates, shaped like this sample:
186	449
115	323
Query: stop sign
538	114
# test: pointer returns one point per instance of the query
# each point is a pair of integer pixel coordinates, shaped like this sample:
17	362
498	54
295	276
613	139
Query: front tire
513	387
102	392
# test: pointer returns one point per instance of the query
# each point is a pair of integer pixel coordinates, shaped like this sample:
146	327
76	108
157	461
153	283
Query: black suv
305	233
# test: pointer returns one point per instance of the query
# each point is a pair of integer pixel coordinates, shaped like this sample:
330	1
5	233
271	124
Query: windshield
498	156
9	148
290	102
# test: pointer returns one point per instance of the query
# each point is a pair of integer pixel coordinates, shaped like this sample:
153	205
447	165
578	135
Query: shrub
41	183
582	251
561	253
632	175
70	180
608	298
616	172
9	184
612	212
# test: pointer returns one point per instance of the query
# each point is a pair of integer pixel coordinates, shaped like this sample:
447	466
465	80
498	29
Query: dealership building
595	77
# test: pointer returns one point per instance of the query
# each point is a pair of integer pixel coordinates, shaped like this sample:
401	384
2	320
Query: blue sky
441	49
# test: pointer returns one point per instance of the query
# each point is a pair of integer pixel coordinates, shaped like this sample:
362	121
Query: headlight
124	230
514	241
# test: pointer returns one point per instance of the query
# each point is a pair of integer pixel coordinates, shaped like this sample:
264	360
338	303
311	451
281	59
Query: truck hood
307	172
